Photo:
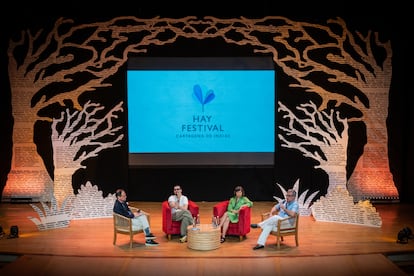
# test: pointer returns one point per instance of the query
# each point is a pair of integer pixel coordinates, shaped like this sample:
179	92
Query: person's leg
141	222
187	219
144	221
266	229
176	216
267	226
271	220
226	223
137	224
222	219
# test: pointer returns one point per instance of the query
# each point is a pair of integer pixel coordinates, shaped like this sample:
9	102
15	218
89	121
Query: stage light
404	235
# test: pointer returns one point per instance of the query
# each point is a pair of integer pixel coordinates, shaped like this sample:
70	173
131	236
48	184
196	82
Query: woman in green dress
236	202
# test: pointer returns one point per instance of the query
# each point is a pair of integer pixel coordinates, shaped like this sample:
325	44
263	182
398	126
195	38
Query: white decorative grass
52	217
88	203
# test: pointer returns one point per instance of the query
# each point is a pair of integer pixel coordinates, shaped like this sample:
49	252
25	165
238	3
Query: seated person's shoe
150	236
151	243
258	246
254	225
183	239
222	239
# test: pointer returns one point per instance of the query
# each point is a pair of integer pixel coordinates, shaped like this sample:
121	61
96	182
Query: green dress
235	204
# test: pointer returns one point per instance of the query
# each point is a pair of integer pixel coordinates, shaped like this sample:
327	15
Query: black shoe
258	246
150	236
222	239
254	225
151	243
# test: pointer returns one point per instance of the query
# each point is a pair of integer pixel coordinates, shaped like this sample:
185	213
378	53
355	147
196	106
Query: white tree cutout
318	135
79	136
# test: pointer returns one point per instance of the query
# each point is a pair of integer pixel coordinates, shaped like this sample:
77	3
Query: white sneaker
183	239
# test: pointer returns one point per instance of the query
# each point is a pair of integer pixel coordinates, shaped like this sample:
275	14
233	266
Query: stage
325	248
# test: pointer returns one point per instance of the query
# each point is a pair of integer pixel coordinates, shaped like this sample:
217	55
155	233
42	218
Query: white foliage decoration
78	136
52	217
338	206
319	135
90	203
304	203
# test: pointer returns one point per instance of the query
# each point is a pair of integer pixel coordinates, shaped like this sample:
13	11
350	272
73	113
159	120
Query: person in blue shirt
286	208
139	218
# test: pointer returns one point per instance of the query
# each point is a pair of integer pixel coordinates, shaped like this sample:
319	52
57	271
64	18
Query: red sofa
241	228
171	227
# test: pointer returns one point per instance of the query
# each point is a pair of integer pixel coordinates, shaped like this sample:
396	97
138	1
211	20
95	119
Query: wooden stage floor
325	248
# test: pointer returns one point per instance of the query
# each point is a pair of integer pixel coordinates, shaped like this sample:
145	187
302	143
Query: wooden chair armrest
284	219
133	209
282	225
267	215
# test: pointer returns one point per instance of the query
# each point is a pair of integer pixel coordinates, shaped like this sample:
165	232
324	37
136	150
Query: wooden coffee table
204	237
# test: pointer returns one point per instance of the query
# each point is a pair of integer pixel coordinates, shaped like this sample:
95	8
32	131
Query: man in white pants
286	208
139	218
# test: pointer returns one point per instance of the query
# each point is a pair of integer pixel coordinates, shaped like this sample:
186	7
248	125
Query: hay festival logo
198	94
202	126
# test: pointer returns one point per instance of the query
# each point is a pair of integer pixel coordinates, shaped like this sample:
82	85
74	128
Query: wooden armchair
284	228
123	225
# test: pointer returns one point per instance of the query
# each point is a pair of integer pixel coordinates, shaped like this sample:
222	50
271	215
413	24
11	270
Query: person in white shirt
179	210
